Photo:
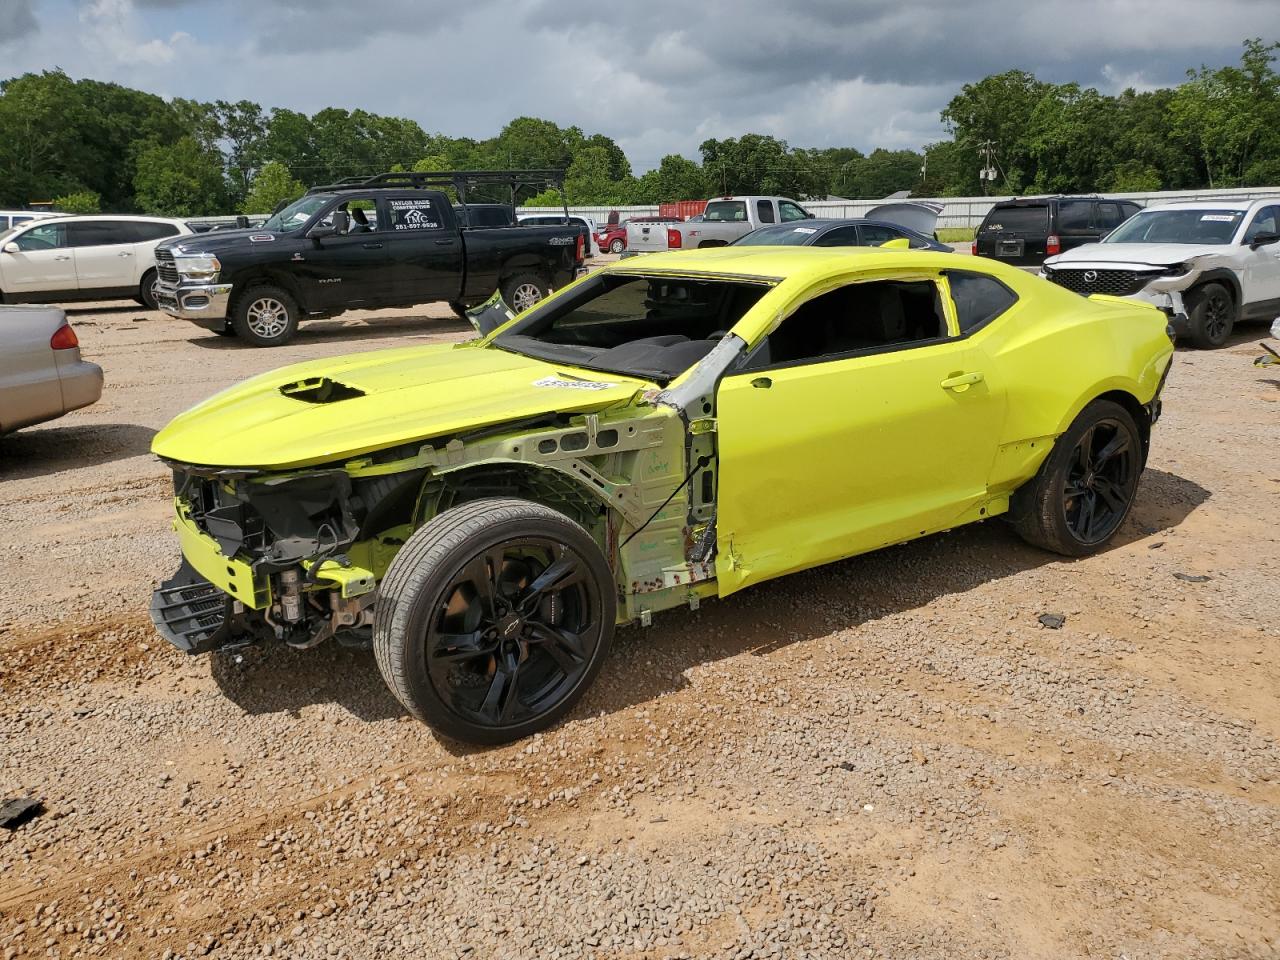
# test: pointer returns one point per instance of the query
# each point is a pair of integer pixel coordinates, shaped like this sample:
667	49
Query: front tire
265	316
523	290
493	619
1085	488
1211	316
147	290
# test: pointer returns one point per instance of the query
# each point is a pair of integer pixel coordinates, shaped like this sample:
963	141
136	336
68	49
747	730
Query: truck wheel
459	309
1211	316
147	290
493	619
1085	487
265	316
523	290
616	246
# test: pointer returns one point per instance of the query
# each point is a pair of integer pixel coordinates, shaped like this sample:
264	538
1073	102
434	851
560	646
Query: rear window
726	211
1017	220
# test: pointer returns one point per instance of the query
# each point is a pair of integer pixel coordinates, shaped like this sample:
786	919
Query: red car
612	238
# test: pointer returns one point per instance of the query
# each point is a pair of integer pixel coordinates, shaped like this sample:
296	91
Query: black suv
1026	230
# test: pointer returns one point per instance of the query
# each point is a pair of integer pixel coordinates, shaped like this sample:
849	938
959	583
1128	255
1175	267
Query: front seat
359	222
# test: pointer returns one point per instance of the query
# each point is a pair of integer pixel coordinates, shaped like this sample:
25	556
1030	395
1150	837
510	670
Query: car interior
651	327
859	318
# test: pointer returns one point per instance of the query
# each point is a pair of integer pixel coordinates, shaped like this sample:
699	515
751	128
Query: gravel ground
888	757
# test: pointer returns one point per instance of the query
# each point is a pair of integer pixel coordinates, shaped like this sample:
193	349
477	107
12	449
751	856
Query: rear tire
459	309
616	246
493	619
265	316
1211	315
523	290
147	290
1085	488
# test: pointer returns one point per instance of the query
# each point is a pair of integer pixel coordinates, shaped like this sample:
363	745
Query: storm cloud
658	77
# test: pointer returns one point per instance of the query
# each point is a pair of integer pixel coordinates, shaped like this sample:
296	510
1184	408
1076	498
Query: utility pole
988	172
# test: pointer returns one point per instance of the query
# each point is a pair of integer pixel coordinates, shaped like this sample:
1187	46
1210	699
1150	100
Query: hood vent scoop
320	390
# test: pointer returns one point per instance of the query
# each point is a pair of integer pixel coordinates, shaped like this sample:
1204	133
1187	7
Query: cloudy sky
658	76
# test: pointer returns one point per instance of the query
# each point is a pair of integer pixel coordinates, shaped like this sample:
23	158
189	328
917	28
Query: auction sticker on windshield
1220	217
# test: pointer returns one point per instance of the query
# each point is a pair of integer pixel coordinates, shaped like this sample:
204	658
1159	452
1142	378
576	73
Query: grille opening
1117	283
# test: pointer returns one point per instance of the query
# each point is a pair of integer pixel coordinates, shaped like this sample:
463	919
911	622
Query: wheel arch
258	277
1222	275
1121	393
524	263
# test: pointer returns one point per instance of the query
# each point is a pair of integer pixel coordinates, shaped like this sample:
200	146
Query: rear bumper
202	303
81	383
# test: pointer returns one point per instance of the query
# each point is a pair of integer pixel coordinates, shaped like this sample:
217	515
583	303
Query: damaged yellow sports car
665	430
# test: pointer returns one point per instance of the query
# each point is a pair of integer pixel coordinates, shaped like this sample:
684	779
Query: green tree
755	163
82	201
675	178
1231	115
180	180
996	110
270	187
881	173
242	129
1070	139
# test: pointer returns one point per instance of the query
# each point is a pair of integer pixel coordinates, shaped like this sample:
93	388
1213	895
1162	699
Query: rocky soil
889	757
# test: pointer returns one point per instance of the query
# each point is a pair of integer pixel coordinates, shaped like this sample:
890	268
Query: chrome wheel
267	317
525	296
616	246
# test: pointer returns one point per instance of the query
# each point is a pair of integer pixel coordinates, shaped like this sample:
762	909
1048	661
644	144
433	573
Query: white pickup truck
724	220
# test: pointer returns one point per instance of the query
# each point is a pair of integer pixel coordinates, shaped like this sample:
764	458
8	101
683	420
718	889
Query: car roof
804	264
93	217
1223	204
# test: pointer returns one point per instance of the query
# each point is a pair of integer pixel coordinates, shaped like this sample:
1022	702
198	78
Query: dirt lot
890	757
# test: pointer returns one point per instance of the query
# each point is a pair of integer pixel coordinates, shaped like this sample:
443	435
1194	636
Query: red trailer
684	209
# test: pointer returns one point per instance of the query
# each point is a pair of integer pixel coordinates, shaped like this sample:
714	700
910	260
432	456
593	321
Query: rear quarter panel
493	253
30	389
1052	354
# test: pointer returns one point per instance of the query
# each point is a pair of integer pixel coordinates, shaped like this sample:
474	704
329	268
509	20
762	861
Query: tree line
87	145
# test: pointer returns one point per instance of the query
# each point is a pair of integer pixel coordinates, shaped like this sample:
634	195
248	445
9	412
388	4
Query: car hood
1141	254
219	241
325	410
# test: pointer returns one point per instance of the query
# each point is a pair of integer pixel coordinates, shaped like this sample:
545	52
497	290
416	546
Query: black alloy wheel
1211	316
1087	484
1101	480
515	630
493	619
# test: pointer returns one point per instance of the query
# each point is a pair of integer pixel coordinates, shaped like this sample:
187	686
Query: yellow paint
226	573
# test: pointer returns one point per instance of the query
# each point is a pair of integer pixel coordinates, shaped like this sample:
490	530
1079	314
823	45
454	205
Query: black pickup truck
386	241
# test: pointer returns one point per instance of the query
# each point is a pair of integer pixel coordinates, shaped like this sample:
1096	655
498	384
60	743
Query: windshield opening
1178	226
726	211
650	327
297	213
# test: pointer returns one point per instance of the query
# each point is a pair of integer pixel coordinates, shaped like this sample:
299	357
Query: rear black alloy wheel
1211	316
1101	479
493	619
1086	486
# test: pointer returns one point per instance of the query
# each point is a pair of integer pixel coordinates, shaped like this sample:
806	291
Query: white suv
1207	263
61	259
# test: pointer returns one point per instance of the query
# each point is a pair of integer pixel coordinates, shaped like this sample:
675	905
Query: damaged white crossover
1209	264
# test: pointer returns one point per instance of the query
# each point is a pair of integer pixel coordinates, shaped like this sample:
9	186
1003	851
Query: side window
1109	215
839	237
1128	209
791	211
764	211
862	317
4	223
146	232
873	234
416	213
99	233
979	299
46	237
1266	220
1074	215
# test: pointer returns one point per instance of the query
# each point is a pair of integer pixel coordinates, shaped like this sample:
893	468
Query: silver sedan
41	373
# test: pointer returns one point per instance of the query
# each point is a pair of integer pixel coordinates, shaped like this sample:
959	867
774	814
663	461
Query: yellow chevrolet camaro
665	430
